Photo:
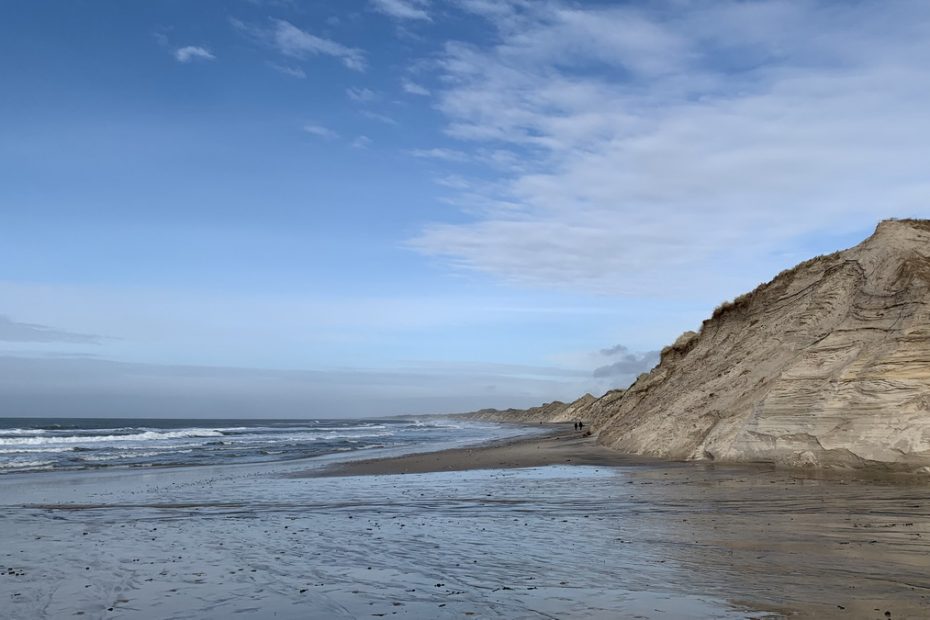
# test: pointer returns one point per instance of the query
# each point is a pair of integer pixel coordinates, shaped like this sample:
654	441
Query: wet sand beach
560	446
527	534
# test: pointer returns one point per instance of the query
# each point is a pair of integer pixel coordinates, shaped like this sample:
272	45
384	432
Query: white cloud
625	364
666	151
361	95
193	52
455	181
402	9
494	9
412	88
320	131
441	154
361	142
288	70
377	116
293	42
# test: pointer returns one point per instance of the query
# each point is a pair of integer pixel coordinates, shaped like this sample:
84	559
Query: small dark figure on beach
580	425
576	426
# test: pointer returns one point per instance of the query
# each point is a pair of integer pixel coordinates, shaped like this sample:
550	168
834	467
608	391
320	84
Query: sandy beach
544	527
562	445
848	532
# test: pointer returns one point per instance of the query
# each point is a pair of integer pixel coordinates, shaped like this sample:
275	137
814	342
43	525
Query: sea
55	444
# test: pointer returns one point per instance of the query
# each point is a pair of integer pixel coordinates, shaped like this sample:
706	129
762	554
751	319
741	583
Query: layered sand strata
827	364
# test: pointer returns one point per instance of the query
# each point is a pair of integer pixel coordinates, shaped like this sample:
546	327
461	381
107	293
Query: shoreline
621	535
560	446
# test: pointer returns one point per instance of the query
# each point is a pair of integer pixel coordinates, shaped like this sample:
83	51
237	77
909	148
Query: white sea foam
22	431
28	450
362	427
27	465
308	435
23	449
131	455
76	439
331	436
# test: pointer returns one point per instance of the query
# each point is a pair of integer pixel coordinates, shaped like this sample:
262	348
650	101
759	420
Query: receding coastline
562	445
825	366
563	523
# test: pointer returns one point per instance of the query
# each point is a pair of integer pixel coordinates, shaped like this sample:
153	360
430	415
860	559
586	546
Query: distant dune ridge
826	365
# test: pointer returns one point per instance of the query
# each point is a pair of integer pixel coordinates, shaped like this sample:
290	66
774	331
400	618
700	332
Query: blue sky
392	206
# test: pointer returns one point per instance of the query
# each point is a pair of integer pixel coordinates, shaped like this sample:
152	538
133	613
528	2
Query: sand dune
826	365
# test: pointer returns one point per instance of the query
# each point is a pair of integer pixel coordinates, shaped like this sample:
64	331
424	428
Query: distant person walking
576	426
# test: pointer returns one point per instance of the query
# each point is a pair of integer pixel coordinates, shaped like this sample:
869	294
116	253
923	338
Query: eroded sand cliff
827	364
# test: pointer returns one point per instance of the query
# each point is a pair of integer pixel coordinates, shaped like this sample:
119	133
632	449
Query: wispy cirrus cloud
378	116
289	70
361	95
403	9
443	154
647	149
293	42
412	88
193	52
320	131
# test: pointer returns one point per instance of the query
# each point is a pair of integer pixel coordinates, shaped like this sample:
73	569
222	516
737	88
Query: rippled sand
652	541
